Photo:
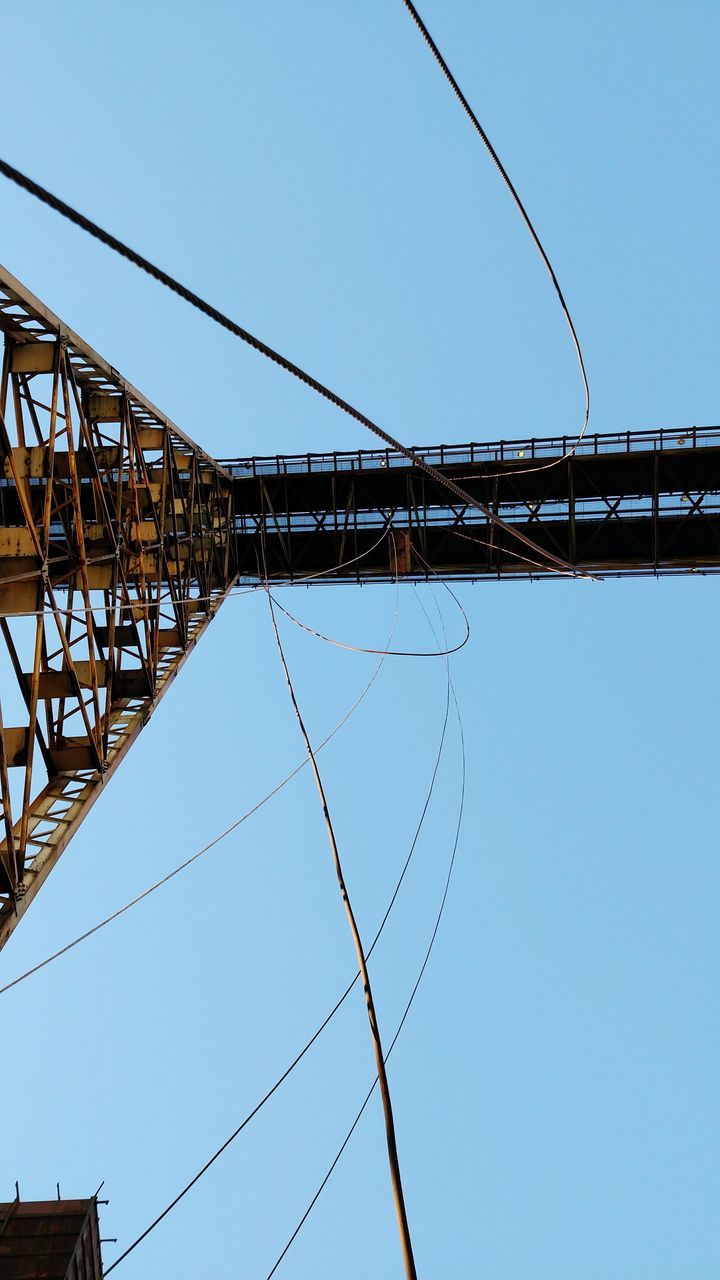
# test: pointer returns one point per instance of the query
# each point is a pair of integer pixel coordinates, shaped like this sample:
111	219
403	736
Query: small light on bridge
521	453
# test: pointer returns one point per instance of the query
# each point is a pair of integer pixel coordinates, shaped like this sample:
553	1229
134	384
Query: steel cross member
116	549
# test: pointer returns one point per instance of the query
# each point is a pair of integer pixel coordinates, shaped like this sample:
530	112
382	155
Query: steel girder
622	504
116	549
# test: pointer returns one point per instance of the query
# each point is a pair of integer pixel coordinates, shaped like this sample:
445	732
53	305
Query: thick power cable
408	1006
393	1158
318	1032
194	299
528	223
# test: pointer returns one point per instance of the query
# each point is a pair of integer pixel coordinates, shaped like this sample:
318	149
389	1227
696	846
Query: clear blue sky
304	166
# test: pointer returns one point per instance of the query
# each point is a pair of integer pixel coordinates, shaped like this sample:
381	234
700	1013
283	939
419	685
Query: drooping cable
393	1157
532	564
408	1006
249	813
391	653
319	1030
169	282
528	223
159	884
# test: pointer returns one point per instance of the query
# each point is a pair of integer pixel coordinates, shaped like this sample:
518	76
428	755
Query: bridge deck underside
651	510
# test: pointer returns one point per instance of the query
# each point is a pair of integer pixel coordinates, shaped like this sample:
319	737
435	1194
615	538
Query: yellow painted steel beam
116	550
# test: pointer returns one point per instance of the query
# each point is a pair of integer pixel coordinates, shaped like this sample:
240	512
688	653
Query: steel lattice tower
120	537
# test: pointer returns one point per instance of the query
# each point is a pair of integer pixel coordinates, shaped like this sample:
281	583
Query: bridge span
120	537
622	503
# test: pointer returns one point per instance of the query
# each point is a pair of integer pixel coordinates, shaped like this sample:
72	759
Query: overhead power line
188	862
390	653
79	220
393	1157
528	223
194	857
326	1021
259	804
408	1006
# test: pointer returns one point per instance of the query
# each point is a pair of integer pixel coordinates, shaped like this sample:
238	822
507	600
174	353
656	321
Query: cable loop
391	653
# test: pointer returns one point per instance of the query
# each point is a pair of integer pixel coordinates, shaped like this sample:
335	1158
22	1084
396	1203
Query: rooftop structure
50	1240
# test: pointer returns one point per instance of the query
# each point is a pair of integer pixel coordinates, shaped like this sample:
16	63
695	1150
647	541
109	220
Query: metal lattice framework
116	547
628	503
120	537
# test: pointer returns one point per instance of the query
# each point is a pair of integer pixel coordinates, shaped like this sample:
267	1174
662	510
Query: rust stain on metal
50	1240
116	549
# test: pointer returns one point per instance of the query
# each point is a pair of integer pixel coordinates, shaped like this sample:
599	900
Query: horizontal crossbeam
625	503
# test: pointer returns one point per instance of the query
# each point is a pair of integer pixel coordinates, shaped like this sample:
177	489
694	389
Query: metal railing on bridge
478	452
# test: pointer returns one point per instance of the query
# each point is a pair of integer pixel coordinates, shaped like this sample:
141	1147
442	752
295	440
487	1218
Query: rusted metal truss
120	537
116	548
50	1239
629	503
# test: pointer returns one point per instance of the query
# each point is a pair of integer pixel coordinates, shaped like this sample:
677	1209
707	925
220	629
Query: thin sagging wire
408	1006
528	223
319	1030
391	653
146	893
484	542
533	564
375	1036
398	653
